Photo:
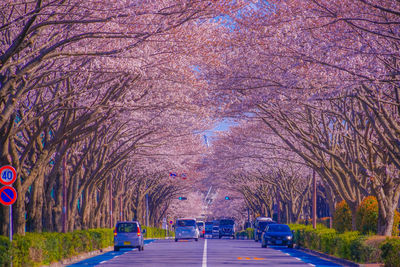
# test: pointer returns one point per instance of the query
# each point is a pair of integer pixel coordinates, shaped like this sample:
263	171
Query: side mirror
173	226
144	231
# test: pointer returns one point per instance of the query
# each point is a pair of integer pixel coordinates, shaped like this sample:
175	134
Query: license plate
278	241
127	243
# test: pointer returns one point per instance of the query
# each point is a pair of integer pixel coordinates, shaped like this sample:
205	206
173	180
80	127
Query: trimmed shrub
391	252
5	251
250	233
342	217
153	232
367	217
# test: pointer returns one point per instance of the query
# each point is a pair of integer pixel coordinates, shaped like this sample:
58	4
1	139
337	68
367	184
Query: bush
367	217
342	217
153	232
5	251
250	233
391	252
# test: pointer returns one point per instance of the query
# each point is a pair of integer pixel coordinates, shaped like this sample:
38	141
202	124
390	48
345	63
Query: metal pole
11	223
147	209
278	216
111	208
11	227
64	199
120	209
314	200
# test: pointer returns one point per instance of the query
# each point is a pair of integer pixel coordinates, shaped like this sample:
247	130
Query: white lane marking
205	254
298	259
312	264
103	261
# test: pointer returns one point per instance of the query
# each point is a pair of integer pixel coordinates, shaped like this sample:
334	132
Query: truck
227	228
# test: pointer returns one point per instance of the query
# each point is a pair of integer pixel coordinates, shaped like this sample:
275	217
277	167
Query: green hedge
5	251
248	233
348	245
391	252
153	232
36	249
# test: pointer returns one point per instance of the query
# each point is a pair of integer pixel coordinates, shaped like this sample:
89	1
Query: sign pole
11	229
11	223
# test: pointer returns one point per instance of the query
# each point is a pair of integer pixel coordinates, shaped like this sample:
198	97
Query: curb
84	256
79	257
338	260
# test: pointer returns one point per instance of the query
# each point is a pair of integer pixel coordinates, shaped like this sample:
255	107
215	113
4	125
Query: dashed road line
204	264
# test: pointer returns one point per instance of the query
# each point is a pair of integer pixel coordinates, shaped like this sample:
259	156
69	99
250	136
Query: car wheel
116	248
220	237
263	245
290	246
176	239
196	239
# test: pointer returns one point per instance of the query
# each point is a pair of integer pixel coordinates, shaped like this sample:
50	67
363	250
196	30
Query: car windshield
278	228
226	222
215	227
184	223
209	223
127	228
200	224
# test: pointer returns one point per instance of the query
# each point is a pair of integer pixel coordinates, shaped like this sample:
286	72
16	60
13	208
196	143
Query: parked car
202	228
186	229
259	226
208	229
128	234
227	228
277	234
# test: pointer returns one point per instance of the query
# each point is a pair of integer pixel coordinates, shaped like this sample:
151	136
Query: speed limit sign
8	175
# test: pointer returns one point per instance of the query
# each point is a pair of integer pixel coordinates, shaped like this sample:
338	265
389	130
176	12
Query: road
209	253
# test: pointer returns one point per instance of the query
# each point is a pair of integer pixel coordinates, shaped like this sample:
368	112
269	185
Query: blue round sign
8	195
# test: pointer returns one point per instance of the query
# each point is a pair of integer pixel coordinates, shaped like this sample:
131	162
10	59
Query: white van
186	228
259	226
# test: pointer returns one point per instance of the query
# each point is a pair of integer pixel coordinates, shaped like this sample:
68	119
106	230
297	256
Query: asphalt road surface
206	253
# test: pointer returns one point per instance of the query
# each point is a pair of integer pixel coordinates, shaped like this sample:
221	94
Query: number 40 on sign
8	175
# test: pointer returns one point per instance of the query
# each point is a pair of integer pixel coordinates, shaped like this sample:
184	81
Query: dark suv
227	228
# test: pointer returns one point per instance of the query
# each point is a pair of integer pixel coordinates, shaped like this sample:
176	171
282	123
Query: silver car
128	235
186	229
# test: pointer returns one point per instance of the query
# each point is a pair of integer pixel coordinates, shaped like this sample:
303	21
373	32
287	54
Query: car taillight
138	231
115	232
204	231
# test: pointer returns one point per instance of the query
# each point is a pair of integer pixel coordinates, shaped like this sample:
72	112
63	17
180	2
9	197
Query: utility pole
64	191
147	209
314	202
110	203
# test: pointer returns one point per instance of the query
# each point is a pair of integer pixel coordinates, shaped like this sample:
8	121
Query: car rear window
127	228
183	223
209	223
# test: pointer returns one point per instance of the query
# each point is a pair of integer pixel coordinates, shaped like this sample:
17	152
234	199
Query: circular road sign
8	175
8	195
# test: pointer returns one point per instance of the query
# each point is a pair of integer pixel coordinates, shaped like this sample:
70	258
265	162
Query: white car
186	229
